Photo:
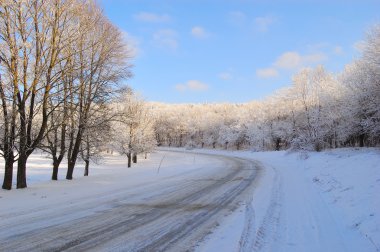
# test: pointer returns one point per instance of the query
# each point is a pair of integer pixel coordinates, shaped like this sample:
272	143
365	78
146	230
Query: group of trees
319	110
60	62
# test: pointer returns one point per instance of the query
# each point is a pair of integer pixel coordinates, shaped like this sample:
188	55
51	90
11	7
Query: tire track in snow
174	219
252	239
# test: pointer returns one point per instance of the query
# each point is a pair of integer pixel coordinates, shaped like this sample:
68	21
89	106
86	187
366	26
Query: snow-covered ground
327	201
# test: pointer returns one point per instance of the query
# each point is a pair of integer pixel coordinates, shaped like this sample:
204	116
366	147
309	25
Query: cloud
192	85
225	76
199	32
327	47
237	17
291	61
166	38
288	60
313	58
266	73
338	50
151	17
294	60
262	23
133	44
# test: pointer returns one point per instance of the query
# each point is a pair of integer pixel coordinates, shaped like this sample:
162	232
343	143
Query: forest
318	110
62	69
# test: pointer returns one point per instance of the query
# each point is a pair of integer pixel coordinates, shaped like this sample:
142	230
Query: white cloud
288	60
338	50
151	17
225	76
133	44
199	32
294	60
237	17
262	23
266	73
313	58
192	85
291	61
166	38
325	46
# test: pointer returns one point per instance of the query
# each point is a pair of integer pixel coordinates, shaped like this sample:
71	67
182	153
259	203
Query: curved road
174	214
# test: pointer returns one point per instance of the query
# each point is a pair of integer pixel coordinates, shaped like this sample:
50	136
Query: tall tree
102	63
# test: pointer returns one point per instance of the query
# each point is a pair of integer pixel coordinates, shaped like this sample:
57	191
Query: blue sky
235	50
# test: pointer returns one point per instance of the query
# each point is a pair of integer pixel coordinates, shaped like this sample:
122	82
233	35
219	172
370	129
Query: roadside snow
326	201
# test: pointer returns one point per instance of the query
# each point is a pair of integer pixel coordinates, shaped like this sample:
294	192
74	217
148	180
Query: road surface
170	214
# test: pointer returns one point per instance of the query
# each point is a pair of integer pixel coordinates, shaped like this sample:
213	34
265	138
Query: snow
110	195
326	201
309	201
107	177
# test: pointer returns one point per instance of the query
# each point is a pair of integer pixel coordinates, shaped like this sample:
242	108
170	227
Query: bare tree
32	35
97	136
8	128
102	62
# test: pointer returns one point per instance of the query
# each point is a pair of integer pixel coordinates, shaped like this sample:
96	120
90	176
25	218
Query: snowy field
325	201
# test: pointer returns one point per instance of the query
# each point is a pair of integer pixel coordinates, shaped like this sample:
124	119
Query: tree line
61	64
319	110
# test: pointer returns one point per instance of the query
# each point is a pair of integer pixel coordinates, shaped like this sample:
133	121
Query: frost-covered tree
319	110
133	128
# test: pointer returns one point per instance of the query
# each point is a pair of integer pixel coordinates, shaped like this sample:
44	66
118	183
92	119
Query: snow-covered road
202	200
121	211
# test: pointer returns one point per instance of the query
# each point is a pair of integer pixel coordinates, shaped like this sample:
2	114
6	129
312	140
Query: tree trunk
23	157
70	170
87	162
278	141
74	154
361	140
134	158
56	163
129	159
21	170
8	175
